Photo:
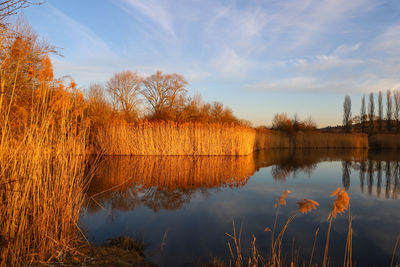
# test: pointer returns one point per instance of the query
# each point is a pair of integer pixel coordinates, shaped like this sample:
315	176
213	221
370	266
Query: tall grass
266	139
41	183
173	138
385	141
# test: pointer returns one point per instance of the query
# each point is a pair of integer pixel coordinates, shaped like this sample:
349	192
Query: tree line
129	96
374	119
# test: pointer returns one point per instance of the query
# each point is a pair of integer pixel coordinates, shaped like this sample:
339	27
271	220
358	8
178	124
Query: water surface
182	207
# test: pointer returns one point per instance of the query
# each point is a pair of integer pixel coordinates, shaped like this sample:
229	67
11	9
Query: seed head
281	200
306	205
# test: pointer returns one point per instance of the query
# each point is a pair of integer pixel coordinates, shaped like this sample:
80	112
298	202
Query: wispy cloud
389	41
311	84
155	12
84	38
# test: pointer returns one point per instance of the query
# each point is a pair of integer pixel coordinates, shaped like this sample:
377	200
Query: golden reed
173	138
41	167
268	139
385	141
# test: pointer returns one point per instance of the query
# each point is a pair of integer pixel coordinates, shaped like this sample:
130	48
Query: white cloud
363	84
197	76
230	62
346	49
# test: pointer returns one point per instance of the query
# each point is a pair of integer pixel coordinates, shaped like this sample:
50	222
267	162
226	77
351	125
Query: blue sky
257	57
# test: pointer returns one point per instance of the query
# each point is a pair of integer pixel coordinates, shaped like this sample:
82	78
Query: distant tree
363	114
347	113
124	88
389	111
296	122
371	112
396	95
283	123
309	124
99	110
380	111
165	93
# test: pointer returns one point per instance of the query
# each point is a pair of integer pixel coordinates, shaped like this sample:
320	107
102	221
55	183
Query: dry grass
275	257
266	139
385	141
41	178
172	138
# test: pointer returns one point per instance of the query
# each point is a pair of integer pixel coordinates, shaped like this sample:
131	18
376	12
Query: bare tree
380	111
371	111
363	114
396	95
124	89
347	113
11	7
389	111
165	93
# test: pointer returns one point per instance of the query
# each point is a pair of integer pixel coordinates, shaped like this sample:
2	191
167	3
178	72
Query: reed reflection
286	163
168	183
159	182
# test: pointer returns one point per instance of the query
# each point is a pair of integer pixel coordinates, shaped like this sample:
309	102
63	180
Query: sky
258	57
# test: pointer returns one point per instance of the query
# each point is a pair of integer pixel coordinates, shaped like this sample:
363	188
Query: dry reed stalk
348	253
394	251
385	141
172	138
268	139
340	205
41	177
313	248
238	260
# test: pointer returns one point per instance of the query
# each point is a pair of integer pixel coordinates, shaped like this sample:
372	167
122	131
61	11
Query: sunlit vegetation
277	255
173	138
43	135
268	139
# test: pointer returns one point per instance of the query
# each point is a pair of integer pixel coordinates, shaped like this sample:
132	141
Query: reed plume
282	199
306	205
341	203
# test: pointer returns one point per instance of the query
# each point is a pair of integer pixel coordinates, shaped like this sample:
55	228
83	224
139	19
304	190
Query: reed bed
173	138
41	192
269	139
385	141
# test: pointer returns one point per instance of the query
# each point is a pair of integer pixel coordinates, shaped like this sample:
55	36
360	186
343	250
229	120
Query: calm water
181	207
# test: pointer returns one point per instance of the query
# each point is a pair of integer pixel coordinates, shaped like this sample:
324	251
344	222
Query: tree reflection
159	182
169	182
375	169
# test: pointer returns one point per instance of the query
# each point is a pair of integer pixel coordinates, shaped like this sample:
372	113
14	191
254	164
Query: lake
182	207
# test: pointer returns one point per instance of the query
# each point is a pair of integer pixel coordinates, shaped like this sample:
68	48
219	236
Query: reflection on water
162	182
191	201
